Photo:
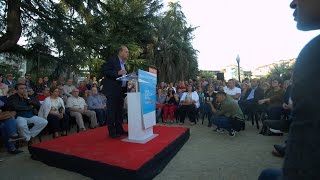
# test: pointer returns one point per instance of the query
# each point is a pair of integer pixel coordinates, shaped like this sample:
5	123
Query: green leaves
78	33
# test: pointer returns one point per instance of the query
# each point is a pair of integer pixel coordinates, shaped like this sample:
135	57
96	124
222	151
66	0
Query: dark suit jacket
258	94
302	159
111	87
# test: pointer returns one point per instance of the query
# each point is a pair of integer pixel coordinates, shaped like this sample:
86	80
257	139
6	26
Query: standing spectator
232	90
78	107
24	107
68	87
98	103
10	81
3	90
53	110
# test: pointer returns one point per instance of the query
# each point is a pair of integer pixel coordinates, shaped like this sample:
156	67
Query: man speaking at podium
114	90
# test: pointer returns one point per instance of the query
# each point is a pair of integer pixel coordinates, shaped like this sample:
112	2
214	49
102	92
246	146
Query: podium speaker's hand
122	72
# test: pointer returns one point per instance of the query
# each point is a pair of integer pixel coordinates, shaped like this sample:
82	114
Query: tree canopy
85	33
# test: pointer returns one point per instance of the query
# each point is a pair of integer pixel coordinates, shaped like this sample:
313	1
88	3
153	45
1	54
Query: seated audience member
53	110
209	96
227	112
82	88
54	83
181	88
171	104
249	104
278	126
170	86
28	81
3	90
63	96
11	91
10	81
233	91
273	100
39	88
61	81
245	90
68	87
97	103
161	99
95	85
24	107
8	130
286	98
78	107
45	93
88	82
189	103
46	82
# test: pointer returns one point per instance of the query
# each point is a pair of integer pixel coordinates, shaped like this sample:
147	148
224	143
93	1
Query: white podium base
136	129
140	141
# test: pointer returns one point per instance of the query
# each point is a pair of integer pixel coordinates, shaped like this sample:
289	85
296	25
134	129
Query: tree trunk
14	28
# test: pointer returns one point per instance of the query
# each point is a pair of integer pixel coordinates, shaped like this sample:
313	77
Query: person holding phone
171	104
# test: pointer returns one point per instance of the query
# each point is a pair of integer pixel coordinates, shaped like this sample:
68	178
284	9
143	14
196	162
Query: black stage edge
98	170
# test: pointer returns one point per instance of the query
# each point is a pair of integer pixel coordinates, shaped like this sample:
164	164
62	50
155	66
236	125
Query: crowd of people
227	104
26	108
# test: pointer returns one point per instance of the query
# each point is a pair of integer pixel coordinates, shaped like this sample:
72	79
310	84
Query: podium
141	118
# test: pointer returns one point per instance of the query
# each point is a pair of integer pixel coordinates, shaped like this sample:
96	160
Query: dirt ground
206	155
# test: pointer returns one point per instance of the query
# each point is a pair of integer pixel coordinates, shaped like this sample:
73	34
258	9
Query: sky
261	32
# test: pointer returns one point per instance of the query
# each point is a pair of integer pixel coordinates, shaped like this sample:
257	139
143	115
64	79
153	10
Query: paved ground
206	155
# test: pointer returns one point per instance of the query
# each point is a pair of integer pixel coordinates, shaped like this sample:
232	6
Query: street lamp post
238	61
38	40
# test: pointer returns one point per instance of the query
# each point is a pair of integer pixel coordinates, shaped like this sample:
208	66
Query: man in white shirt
233	91
78	107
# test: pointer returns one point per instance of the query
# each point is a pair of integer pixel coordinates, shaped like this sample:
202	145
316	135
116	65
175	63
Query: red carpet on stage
94	154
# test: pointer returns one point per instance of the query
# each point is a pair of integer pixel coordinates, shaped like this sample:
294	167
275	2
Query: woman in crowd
172	102
53	110
189	104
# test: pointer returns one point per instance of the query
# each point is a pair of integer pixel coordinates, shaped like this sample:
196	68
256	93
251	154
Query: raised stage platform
92	153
